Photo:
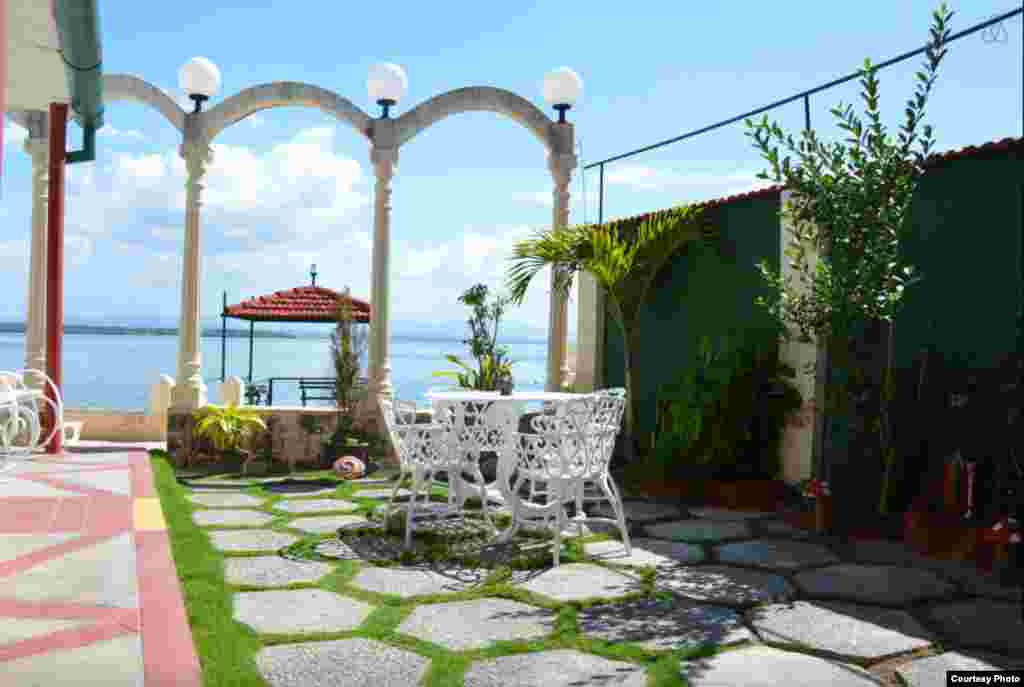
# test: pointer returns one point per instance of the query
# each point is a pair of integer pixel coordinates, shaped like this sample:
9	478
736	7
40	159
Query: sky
293	186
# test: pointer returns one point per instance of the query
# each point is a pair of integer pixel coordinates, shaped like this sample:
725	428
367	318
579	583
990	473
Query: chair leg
609	488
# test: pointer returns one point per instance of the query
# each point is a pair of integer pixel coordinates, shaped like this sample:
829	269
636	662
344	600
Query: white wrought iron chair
22	406
423	451
472	429
598	485
559	455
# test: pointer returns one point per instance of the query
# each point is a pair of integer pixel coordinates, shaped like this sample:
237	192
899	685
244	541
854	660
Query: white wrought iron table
494	420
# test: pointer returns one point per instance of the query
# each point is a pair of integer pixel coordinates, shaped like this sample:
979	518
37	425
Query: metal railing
805	95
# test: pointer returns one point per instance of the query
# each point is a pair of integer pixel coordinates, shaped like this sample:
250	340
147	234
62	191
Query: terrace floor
88	595
88	591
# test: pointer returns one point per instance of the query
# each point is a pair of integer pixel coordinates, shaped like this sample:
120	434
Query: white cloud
115	134
647	178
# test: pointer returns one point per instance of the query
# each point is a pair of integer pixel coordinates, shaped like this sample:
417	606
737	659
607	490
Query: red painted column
55	259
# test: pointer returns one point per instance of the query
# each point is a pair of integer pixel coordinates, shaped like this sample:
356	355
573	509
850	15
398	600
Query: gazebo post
252	323
224	339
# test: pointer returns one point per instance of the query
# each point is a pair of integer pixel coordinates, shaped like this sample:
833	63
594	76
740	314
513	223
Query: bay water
116	371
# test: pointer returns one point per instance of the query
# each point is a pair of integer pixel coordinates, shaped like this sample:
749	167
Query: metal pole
252	323
807	113
600	194
224	339
55	264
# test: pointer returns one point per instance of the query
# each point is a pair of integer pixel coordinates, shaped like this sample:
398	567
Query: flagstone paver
728	514
462	625
231	518
873	584
778	554
931	670
293	611
560	668
225	500
845	629
724	584
983	623
272	571
381	493
762	666
653	552
641	511
575	581
340	662
698	531
406	582
663	625
314	505
328	524
250	540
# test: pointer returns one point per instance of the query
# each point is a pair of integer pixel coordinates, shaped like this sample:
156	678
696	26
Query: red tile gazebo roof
301	304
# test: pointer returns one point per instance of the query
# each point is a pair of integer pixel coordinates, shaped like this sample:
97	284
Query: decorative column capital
561	166
38	149
197	156
384	161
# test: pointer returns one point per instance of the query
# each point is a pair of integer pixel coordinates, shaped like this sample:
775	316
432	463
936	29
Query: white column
590	317
38	147
385	161
798	432
561	166
190	391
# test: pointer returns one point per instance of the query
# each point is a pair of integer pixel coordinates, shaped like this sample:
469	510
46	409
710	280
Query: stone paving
782	597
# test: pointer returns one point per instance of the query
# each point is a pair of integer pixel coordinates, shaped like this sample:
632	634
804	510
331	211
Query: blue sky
293	186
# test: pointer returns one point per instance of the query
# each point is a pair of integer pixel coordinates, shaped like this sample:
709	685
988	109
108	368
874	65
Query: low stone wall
294	436
118	425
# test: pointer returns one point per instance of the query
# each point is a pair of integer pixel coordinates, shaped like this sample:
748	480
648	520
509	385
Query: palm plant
229	427
622	261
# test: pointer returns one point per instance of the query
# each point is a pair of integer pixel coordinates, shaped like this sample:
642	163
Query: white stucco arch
284	94
481	99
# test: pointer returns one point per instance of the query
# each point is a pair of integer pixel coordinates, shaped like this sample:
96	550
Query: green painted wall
703	290
966	240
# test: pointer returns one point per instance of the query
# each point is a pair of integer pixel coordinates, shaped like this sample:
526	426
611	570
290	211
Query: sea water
116	371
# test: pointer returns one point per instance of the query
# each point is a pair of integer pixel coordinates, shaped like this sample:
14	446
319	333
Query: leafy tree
852	202
624	263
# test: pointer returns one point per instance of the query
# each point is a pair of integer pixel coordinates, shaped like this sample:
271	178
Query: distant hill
121	330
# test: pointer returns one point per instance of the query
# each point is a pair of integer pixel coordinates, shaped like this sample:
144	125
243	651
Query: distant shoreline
215	333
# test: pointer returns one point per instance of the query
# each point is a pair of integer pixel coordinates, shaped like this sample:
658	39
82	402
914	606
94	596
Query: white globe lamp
386	83
199	78
562	88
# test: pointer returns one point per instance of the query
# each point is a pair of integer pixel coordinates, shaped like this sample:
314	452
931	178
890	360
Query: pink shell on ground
349	467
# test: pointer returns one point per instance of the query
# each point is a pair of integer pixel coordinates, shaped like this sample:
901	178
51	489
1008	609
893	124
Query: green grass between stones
227	649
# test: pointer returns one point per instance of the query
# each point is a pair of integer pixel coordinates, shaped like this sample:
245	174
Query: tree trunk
885	424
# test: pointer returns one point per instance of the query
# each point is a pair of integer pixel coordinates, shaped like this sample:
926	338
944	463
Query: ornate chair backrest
399	418
611	406
565	445
470	426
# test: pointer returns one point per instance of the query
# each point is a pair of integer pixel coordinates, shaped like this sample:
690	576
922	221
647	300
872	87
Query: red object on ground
55	260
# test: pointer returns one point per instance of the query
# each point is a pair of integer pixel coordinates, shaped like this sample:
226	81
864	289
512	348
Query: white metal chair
22	427
560	455
472	429
423	451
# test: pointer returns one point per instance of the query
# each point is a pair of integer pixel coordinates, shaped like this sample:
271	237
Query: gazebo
302	304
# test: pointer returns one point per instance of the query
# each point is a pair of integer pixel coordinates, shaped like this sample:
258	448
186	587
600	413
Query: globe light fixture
199	78
387	83
562	88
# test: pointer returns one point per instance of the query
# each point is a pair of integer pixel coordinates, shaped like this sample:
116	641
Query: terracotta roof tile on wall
302	304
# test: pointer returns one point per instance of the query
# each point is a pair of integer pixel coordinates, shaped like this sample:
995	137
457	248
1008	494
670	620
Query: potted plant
230	428
817	492
493	371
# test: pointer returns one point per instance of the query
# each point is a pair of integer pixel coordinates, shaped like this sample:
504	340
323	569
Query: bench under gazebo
303	304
